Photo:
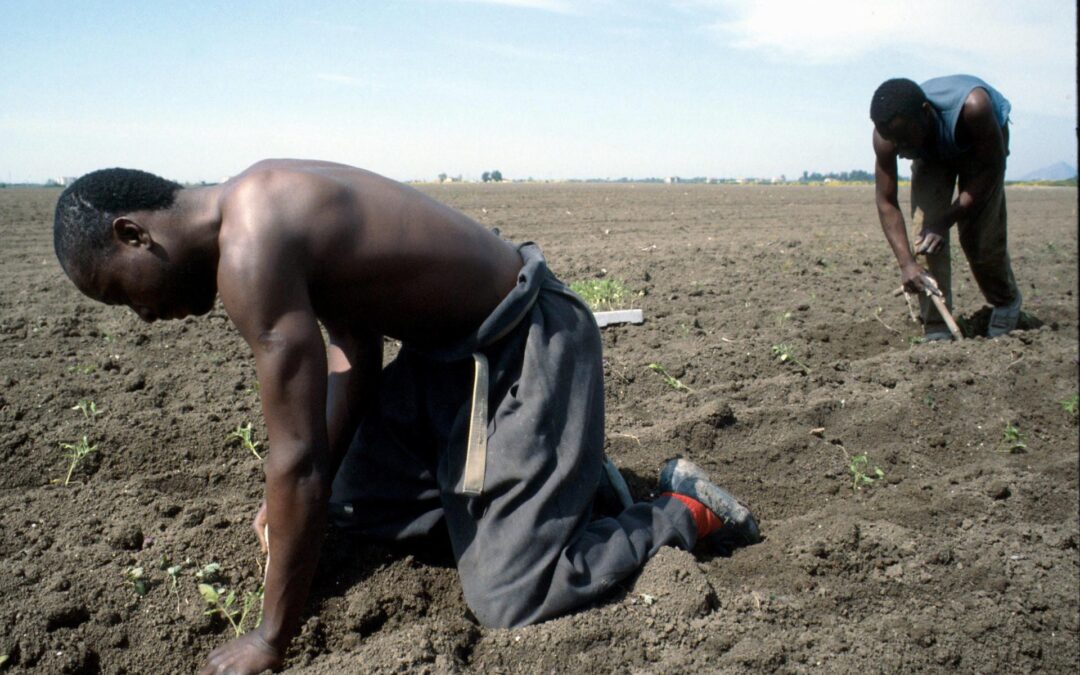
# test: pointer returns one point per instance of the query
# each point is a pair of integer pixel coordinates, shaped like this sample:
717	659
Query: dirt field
962	555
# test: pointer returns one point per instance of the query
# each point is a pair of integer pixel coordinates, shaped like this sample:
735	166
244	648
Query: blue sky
542	88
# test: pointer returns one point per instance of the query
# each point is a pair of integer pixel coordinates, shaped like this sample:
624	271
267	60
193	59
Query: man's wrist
273	638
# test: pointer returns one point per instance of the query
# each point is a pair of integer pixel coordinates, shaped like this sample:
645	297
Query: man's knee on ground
503	611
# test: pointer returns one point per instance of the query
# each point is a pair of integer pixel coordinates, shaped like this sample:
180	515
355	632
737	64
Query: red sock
707	522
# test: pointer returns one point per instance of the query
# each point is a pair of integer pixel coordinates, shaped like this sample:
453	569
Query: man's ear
127	231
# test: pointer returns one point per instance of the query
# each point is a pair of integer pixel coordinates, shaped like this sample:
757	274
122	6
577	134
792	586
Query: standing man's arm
890	215
988	148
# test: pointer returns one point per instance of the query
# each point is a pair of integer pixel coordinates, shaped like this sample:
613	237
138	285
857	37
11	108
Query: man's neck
198	212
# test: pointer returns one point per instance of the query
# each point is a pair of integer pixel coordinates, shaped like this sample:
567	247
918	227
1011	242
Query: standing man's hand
247	654
931	239
912	275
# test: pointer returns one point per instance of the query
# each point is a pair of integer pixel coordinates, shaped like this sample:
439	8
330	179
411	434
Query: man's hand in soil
248	653
259	525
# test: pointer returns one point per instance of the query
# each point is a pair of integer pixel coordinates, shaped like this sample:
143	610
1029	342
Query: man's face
151	285
910	136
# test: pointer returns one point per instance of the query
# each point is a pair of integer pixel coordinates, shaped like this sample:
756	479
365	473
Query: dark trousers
528	547
983	236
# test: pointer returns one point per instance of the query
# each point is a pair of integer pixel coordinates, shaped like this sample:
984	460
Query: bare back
377	256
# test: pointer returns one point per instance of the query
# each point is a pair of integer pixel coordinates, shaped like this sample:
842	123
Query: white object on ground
619	316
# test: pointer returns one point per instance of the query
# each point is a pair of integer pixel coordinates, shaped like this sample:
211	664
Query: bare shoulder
978	124
262	241
271	201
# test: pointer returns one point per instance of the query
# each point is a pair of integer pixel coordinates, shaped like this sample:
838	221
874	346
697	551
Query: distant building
671	180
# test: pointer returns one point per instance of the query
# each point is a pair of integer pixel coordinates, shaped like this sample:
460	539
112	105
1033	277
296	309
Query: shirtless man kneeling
490	419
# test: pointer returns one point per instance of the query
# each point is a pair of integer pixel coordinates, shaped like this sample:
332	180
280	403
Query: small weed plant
209	573
862	472
75	453
243	434
226	604
173	572
1071	405
929	401
785	355
88	408
602	294
1012	441
669	380
136	576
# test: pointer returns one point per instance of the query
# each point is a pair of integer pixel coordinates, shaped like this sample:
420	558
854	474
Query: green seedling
602	294
83	369
88	408
929	401
783	317
226	605
137	578
243	434
786	355
75	453
1012	441
668	379
862	473
173	571
1071	405
209	573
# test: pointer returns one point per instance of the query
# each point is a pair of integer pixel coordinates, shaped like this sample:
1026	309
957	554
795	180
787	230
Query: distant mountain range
1059	171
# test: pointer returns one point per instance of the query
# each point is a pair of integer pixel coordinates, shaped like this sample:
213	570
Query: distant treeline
1067	182
855	176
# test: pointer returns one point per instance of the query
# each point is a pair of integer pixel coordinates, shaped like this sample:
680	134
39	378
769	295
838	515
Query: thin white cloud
509	51
338	78
830	31
556	6
1026	44
333	26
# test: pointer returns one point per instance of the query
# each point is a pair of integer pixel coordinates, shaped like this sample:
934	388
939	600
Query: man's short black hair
82	227
898	97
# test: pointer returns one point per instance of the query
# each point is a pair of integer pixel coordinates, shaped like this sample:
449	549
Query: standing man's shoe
1004	318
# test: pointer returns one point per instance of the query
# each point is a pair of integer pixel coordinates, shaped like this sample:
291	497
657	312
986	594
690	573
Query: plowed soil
962	553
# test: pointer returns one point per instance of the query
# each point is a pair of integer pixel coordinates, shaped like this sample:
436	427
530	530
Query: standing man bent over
489	420
955	128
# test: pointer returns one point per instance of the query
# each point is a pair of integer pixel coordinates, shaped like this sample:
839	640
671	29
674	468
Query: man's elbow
886	208
298	468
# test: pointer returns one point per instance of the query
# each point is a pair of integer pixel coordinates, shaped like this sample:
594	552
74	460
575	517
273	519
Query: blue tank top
947	95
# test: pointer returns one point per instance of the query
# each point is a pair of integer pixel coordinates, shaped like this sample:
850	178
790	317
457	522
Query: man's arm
892	218
979	124
353	368
264	288
354	364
